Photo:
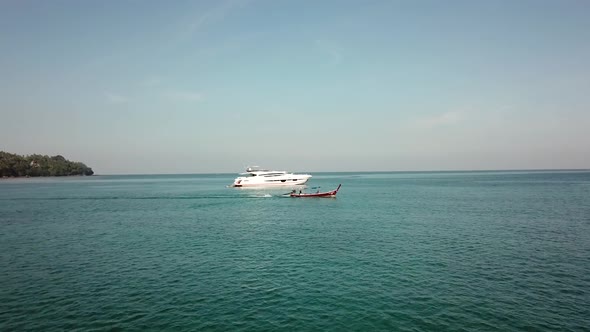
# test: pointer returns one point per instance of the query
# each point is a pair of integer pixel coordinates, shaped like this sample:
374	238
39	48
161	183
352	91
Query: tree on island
13	165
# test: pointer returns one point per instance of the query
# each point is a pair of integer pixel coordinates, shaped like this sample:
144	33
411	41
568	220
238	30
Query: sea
394	251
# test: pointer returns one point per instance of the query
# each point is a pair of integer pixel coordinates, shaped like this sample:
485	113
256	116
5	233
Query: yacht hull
270	183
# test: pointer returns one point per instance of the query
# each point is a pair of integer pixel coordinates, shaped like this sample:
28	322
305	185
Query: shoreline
40	177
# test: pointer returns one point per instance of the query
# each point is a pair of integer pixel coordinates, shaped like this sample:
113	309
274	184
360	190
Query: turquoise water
472	251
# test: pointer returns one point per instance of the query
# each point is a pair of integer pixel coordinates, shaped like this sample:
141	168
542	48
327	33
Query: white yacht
257	177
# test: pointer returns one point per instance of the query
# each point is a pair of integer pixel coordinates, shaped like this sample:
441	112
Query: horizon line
396	171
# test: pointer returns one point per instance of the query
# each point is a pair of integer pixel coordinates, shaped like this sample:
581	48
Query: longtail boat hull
329	194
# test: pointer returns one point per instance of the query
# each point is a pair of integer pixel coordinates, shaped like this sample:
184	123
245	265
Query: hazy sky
214	86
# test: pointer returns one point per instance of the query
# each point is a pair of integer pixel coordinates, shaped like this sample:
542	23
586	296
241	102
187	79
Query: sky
149	87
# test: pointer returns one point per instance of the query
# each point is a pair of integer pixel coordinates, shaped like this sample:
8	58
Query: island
35	165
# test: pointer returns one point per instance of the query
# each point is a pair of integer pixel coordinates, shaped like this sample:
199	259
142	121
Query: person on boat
299	191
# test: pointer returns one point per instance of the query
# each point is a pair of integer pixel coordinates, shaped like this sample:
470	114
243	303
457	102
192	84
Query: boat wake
261	196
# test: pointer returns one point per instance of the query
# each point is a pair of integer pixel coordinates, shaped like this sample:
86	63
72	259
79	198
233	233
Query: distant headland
35	165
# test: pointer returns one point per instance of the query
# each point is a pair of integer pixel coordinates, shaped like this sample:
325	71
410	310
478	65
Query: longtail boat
317	194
